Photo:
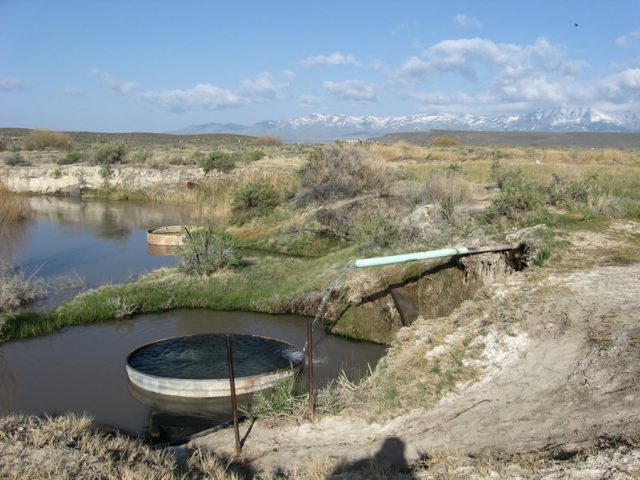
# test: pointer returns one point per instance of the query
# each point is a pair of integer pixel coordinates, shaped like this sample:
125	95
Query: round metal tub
171	235
195	366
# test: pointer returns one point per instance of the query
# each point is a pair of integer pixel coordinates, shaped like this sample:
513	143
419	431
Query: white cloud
262	88
111	84
460	55
622	87
288	73
11	85
335	58
414	67
355	90
73	91
203	95
471	56
466	21
308	101
534	89
628	39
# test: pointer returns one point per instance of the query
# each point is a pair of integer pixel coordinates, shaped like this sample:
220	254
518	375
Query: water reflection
13	238
101	242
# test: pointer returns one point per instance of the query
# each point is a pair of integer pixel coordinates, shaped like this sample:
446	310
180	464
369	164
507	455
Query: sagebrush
337	172
207	250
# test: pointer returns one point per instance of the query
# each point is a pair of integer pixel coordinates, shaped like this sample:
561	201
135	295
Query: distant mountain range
322	128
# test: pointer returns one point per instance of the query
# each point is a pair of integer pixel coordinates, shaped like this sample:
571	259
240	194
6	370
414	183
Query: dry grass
397	152
43	139
17	289
12	207
68	447
267	141
609	156
444	141
442	187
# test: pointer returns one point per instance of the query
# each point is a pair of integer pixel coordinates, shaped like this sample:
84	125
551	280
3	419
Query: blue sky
162	65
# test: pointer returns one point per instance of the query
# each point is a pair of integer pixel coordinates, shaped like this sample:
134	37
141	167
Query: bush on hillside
110	154
70	158
218	160
268	141
336	172
42	139
254	200
517	195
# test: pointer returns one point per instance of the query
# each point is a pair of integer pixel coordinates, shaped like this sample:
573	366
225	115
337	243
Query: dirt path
563	373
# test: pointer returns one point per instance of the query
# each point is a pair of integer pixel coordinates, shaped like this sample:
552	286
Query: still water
96	242
82	369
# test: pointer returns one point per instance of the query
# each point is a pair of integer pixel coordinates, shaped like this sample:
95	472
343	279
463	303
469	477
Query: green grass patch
250	288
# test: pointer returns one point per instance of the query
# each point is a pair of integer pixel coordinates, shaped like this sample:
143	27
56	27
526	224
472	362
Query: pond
88	242
82	369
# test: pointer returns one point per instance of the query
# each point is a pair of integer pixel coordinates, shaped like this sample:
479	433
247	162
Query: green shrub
573	192
110	154
454	170
517	195
284	400
218	160
70	158
105	171
142	156
207	250
253	200
337	172
544	253
15	160
255	155
375	230
198	157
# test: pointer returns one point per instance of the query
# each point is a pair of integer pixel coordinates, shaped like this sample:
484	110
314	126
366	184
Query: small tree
207	250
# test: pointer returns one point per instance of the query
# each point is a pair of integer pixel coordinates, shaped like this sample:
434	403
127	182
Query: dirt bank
558	372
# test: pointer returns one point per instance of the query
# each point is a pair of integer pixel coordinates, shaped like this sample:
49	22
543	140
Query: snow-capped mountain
322	127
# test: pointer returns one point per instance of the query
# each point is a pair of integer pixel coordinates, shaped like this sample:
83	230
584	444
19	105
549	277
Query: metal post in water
312	405
234	402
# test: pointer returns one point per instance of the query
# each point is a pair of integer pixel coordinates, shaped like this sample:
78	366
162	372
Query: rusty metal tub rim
210	388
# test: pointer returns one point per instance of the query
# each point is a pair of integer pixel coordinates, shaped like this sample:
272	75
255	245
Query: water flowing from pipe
327	296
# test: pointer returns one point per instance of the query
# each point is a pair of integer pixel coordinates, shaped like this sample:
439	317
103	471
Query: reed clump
12	207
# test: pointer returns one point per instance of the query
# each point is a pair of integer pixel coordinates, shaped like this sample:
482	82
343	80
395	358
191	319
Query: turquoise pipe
410	257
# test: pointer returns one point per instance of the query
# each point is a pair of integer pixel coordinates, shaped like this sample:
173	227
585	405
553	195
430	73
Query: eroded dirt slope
558	371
